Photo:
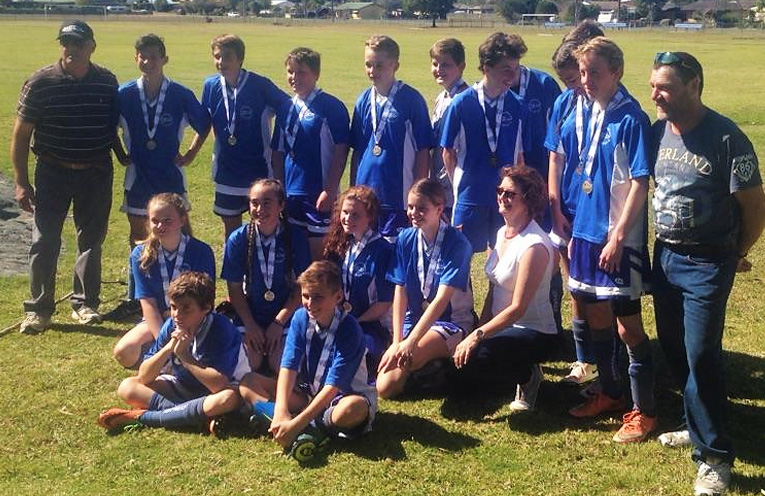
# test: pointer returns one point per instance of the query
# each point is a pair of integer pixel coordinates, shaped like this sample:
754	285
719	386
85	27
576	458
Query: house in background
359	10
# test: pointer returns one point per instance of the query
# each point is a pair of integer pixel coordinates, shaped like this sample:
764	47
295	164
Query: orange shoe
636	427
119	417
600	403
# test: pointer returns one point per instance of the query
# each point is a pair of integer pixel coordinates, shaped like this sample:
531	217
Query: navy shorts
479	224
301	211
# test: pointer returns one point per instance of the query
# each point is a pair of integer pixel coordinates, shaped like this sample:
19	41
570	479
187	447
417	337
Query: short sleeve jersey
465	132
321	126
368	281
407	131
622	154
215	345
453	270
291	259
539	96
238	166
696	175
346	368
565	141
198	257
154	170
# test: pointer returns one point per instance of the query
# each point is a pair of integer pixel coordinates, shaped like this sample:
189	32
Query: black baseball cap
75	29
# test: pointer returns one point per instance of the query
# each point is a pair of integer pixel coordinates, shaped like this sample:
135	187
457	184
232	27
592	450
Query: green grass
53	385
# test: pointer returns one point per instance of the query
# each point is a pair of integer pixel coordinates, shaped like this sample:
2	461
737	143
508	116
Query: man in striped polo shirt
69	108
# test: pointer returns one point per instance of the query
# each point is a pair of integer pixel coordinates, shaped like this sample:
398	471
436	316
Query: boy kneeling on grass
322	388
206	356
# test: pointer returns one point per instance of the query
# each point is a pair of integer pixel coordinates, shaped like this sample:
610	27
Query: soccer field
53	385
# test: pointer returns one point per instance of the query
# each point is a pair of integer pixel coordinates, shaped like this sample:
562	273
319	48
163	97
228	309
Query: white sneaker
713	477
675	439
33	323
526	394
86	315
581	373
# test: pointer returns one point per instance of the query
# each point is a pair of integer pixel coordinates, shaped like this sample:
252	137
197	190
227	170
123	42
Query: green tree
511	10
546	7
433	9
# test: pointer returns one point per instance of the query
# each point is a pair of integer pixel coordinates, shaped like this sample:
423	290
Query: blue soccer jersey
538	90
217	344
345	368
152	169
198	257
465	132
622	154
239	161
368	283
291	259
562	138
453	269
407	130
307	136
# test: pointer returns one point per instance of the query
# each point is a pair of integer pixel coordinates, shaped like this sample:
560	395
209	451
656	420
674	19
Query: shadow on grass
747	484
93	330
392	429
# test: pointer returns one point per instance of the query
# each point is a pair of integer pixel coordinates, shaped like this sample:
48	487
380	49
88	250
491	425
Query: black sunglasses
502	192
673	58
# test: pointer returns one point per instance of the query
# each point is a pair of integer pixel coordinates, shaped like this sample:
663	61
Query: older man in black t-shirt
709	210
69	108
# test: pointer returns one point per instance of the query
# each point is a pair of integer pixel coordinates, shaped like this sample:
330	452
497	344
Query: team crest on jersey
507	119
165	119
246	112
309	116
606	137
393	115
744	167
535	106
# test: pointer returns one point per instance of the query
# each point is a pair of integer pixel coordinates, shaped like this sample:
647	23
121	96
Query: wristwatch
479	334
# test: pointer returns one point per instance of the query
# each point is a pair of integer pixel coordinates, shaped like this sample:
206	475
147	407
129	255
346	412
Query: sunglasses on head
673	58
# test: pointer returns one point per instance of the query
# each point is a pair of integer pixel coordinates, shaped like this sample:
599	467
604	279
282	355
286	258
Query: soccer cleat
307	444
591	390
636	427
581	373
218	427
33	323
675	439
526	394
600	403
713	477
86	315
119	417
127	309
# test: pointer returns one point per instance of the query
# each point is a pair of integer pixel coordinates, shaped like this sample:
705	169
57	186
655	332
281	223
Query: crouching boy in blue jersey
322	386
206	356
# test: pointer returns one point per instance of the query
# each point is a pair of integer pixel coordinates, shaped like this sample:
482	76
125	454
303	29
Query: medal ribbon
201	335
350	259
267	262
426	279
452	92
329	339
492	137
176	268
302	110
385	111
231	110
151	131
595	126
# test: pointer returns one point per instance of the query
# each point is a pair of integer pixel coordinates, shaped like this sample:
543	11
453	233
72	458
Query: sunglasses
672	58
502	193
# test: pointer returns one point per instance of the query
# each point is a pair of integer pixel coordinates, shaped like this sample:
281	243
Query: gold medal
425	304
269	295
232	140
151	144
347	306
587	186
377	150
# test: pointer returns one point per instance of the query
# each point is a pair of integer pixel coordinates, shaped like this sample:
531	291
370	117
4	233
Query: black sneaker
126	310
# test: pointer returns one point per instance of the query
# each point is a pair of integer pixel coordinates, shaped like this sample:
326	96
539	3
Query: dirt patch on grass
15	232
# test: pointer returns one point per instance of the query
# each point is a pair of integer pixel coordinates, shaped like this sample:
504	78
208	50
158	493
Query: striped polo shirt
74	120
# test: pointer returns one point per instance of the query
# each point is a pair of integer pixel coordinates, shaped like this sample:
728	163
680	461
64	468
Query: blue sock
264	410
641	377
582	341
159	402
556	298
603	349
186	414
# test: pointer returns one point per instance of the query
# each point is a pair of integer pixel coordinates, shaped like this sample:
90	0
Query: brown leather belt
47	159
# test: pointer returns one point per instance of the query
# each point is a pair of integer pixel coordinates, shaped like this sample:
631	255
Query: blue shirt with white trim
465	132
154	171
324	125
408	130
238	166
368	283
562	139
540	95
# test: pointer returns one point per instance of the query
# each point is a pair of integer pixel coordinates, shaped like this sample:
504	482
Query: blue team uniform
453	270
307	163
236	167
391	174
154	171
199	257
475	176
622	154
217	344
562	139
291	253
539	95
437	167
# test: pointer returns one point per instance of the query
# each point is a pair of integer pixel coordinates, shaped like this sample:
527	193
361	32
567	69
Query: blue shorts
230	205
301	211
479	224
390	222
586	280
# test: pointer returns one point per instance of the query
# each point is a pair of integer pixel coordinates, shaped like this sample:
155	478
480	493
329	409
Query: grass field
53	385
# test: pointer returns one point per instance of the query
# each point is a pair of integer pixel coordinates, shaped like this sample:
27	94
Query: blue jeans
690	294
